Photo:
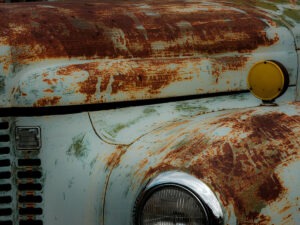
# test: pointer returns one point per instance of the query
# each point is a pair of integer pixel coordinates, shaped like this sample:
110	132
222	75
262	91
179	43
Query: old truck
150	112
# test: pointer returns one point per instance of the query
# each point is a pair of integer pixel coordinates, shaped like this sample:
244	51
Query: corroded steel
121	51
248	157
117	30
125	125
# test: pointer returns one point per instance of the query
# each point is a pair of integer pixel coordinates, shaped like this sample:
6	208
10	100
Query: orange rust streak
114	158
47	101
12	91
48	81
231	63
293	2
48	91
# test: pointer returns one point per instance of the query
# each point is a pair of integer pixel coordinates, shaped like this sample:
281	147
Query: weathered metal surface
122	51
249	157
75	165
125	125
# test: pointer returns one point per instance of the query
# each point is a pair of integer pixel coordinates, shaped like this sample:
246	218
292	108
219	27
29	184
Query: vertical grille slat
30	199
7	222
6	199
20	176
4	162
4	125
29	175
4	150
30	211
5	211
30	187
5	175
5	187
29	162
4	138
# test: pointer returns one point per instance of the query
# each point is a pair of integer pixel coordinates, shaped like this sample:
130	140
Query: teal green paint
266	5
279	23
70	183
149	110
113	130
78	147
280	1
190	108
92	163
2	85
293	14
180	144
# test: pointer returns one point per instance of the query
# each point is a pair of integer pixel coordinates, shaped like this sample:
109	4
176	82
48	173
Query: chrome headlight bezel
197	189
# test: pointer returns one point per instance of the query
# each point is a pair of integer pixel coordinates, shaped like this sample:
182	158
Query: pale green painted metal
92	161
42	82
149	152
126	125
84	176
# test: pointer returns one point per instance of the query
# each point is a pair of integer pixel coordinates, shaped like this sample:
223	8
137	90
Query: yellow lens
266	80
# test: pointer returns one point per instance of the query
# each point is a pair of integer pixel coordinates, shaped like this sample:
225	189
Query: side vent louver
6	193
29	178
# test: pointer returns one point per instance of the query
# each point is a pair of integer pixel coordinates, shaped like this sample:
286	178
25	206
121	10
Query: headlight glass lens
172	205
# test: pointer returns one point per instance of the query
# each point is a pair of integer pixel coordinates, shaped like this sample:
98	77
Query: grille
20	182
6	192
29	178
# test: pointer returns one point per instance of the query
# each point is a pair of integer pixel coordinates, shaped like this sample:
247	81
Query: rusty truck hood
76	53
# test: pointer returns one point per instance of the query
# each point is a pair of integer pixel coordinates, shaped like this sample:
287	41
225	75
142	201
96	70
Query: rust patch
12	91
149	76
270	189
139	79
126	30
50	81
48	91
231	63
47	101
113	160
239	164
293	2
142	164
88	87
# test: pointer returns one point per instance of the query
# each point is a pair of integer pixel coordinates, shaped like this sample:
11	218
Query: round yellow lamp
267	80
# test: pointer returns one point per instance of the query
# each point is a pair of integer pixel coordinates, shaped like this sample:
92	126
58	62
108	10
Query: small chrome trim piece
194	185
34	135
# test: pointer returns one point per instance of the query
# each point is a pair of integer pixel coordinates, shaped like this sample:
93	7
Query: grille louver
6	193
29	184
20	182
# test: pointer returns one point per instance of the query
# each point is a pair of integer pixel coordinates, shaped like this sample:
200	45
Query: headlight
175	198
171	205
